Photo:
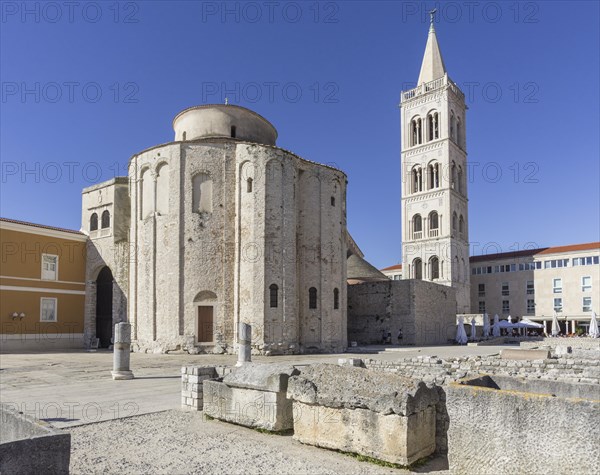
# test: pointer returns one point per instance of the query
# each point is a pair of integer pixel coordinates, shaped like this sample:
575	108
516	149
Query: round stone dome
225	121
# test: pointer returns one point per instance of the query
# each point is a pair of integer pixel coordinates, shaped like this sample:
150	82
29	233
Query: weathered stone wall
28	445
426	312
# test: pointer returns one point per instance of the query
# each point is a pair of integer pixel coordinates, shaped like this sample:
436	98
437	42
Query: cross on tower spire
432	18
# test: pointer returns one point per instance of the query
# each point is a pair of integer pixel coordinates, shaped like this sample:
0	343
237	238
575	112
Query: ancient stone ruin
252	395
387	417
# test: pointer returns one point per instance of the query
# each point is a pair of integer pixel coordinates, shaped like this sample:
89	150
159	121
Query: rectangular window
530	287
596	259
521	266
575	261
481	289
538	265
49	267
586	284
587	304
513	267
558	305
546	264
505	289
505	306
496	269
489	269
557	286
474	271
589	261
530	306
47	309
481	306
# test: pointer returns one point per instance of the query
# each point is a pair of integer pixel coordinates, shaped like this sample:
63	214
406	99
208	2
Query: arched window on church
459	179
273	295
461	226
434	268
417	226
336	298
417	179
457	270
433	126
459	133
202	191
249	182
312	298
162	189
453	175
94	222
418	269
416	132
433	175
433	224
454	221
105	220
452	125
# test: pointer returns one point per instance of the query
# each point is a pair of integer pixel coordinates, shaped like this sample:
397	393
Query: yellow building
42	286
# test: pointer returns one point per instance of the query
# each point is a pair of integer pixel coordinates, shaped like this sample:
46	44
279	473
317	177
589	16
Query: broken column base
118	375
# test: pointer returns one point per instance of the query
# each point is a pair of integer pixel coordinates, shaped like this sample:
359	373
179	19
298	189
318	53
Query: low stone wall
360	411
503	425
432	369
28	445
584	343
192	394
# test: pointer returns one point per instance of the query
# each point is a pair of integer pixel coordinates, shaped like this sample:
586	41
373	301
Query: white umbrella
486	325
593	331
555	325
473	329
526	323
505	324
461	335
496	329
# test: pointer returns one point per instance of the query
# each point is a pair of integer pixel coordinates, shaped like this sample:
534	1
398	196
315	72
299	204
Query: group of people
386	337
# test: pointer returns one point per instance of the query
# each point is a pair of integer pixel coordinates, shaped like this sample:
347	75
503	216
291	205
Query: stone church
219	226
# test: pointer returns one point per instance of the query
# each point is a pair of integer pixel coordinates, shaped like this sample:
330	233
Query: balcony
434	85
418	235
433	233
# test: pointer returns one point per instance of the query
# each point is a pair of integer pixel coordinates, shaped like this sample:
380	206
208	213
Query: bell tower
435	231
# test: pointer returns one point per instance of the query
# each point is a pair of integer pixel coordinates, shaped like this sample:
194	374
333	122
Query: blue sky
84	89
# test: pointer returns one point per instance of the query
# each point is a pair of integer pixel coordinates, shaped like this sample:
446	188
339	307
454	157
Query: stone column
122	351
244	338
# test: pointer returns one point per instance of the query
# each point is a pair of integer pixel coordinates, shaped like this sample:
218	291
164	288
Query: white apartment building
538	282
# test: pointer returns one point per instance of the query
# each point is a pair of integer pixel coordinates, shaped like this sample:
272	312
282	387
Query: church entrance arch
104	304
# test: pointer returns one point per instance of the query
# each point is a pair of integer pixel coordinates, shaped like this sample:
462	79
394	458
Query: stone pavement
75	387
